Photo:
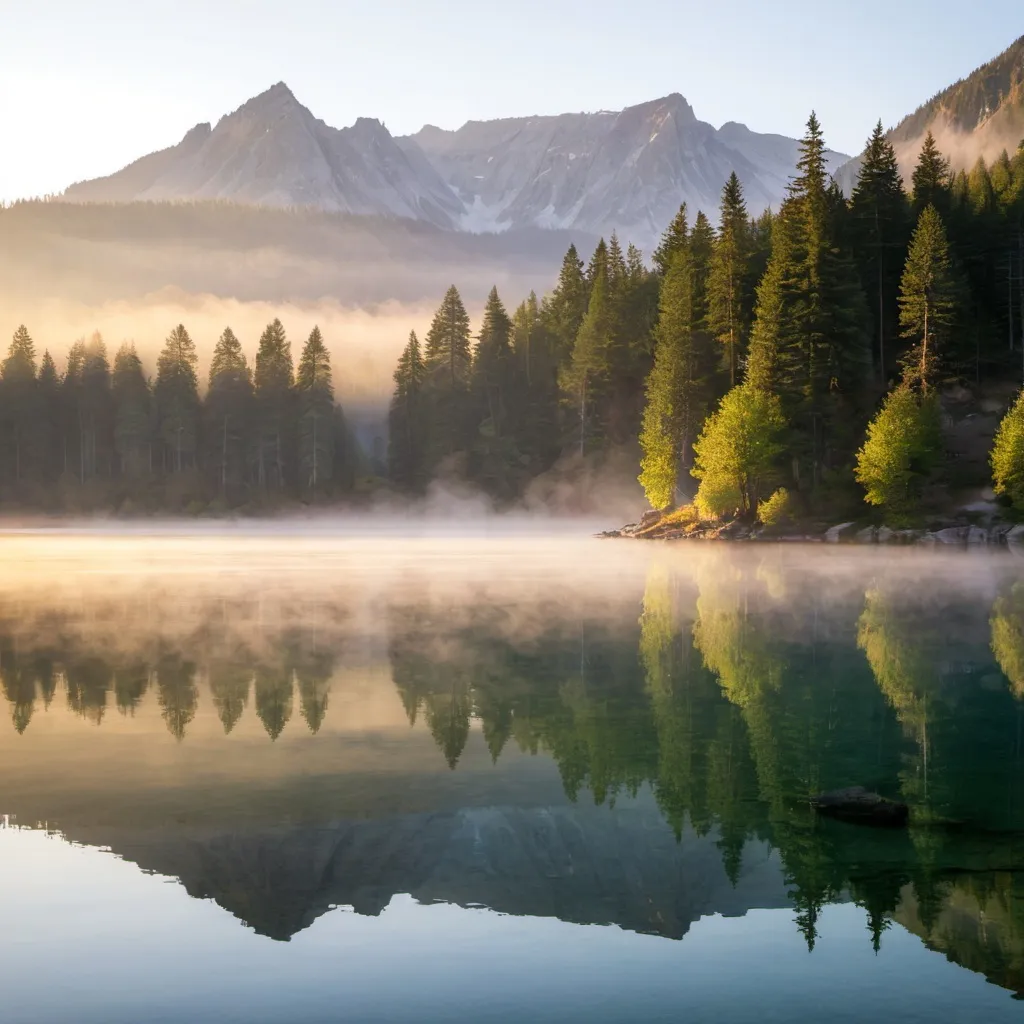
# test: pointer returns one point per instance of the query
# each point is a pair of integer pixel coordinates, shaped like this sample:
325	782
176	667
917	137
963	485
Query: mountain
980	115
627	170
593	173
273	152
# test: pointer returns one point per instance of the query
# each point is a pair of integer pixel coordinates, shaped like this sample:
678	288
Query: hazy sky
87	87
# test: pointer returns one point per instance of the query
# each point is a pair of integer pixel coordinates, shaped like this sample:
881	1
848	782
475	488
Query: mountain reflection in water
598	733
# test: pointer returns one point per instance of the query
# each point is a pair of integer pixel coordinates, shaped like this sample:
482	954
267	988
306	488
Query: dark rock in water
856	804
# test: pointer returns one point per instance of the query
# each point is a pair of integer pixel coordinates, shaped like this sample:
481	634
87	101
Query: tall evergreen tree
584	377
274	409
176	394
315	390
72	430
878	210
930	183
564	310
95	414
495	457
675	237
676	391
928	298
19	406
448	372
701	248
728	316
133	414
50	420
407	420
227	415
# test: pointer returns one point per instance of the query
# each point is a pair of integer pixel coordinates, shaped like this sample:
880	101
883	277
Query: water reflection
633	747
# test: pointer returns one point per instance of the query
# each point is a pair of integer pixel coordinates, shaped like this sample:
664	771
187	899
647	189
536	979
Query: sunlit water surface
500	770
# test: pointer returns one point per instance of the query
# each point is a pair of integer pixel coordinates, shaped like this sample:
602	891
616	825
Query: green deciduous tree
903	446
1007	456
737	451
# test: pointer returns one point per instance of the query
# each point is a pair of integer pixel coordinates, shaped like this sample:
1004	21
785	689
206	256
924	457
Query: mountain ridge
625	170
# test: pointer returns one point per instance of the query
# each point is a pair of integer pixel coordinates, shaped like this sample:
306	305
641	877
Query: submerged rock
858	805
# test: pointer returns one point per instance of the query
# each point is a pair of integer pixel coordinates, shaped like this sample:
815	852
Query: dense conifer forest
790	364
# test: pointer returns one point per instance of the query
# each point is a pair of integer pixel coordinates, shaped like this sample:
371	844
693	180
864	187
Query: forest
790	365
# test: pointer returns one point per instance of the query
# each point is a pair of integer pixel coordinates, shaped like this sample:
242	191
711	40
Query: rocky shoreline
999	535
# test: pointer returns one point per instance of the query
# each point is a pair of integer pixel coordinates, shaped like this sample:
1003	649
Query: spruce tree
447	387
407	422
701	249
584	378
494	454
728	313
315	391
878	209
274	417
176	394
95	414
72	430
227	416
676	392
930	183
19	406
50	420
675	237
133	414
928	299
564	310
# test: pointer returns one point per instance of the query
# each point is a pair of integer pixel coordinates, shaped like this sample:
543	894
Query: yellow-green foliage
1007	624
1007	456
902	447
776	509
736	450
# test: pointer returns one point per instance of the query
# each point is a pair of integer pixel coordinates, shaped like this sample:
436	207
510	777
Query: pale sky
87	87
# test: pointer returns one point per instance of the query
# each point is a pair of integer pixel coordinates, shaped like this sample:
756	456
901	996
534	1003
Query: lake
499	770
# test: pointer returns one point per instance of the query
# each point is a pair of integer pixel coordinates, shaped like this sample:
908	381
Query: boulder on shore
858	805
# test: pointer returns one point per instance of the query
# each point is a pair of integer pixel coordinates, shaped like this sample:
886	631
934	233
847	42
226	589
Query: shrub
1007	456
776	509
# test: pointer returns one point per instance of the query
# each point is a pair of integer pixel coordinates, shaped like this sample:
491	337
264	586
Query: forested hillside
802	354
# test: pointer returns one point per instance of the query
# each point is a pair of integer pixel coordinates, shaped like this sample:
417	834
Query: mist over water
349	732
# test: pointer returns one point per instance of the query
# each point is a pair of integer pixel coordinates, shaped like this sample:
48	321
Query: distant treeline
102	436
754	355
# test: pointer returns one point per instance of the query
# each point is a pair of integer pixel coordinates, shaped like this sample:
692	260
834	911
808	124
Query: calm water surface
363	773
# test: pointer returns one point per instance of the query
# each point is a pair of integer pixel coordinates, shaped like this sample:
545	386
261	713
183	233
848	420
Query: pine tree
50	420
598	264
565	309
176	394
701	248
227	415
407	423
675	237
133	414
315	390
583	379
930	183
273	409
448	365
813	350
536	419
878	209
494	452
728	312
676	393
928	298
72	430
97	424
19	405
